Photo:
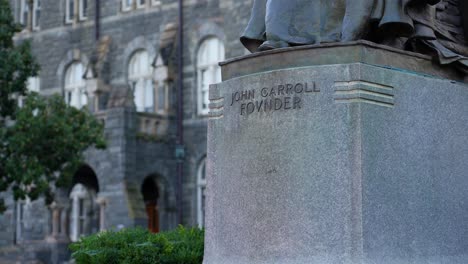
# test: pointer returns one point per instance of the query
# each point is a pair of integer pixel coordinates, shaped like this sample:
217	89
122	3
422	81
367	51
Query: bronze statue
436	27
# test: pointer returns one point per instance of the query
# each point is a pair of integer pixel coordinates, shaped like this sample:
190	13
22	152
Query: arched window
211	52
82	207
75	87
162	86
84	216
201	187
139	76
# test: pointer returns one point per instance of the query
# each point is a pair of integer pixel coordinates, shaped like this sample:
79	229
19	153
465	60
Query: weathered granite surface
360	163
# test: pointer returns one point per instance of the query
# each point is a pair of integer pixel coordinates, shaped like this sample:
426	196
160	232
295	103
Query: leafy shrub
139	246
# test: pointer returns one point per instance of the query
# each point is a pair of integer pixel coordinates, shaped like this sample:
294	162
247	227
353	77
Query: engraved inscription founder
269	99
434	27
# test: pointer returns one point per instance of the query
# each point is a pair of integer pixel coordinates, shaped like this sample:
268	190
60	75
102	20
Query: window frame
70	16
82	10
161	83
79	214
141	76
213	69
75	88
35	20
126	7
28	14
24	8
139	5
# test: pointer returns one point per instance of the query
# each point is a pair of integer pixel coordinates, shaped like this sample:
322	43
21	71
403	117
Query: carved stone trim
364	92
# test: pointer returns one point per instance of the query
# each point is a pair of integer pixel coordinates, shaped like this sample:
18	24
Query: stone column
55	219
74	219
64	222
102	202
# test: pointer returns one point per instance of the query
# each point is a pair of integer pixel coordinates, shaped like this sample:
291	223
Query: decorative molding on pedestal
364	92
216	105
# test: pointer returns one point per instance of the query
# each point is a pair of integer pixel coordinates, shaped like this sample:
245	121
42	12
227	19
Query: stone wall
130	157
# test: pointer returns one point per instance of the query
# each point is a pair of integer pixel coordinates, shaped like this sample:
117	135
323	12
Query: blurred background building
119	59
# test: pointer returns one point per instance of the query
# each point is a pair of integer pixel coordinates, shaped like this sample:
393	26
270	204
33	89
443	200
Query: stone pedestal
345	153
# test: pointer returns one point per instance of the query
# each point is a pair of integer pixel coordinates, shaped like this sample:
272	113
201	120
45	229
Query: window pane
84	8
211	52
149	96
24	12
37	18
33	84
68	79
71	9
161	97
79	74
220	52
132	68
126	4
75	85
36	14
207	79
83	98
139	75
144	63
68	97
203	171
139	65
139	96
75	99
217	78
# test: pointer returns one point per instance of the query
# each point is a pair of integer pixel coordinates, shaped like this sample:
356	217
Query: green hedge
138	246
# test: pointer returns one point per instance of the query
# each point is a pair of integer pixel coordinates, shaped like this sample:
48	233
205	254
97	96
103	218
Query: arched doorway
150	192
84	210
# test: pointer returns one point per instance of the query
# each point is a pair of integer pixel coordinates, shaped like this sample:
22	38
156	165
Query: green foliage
139	246
45	145
41	144
16	62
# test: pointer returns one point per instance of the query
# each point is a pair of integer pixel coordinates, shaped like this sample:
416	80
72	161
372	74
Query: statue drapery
433	27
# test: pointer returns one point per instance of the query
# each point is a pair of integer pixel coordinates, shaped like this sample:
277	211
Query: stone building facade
118	59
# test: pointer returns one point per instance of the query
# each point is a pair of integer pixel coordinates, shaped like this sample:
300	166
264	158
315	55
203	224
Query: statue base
345	153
